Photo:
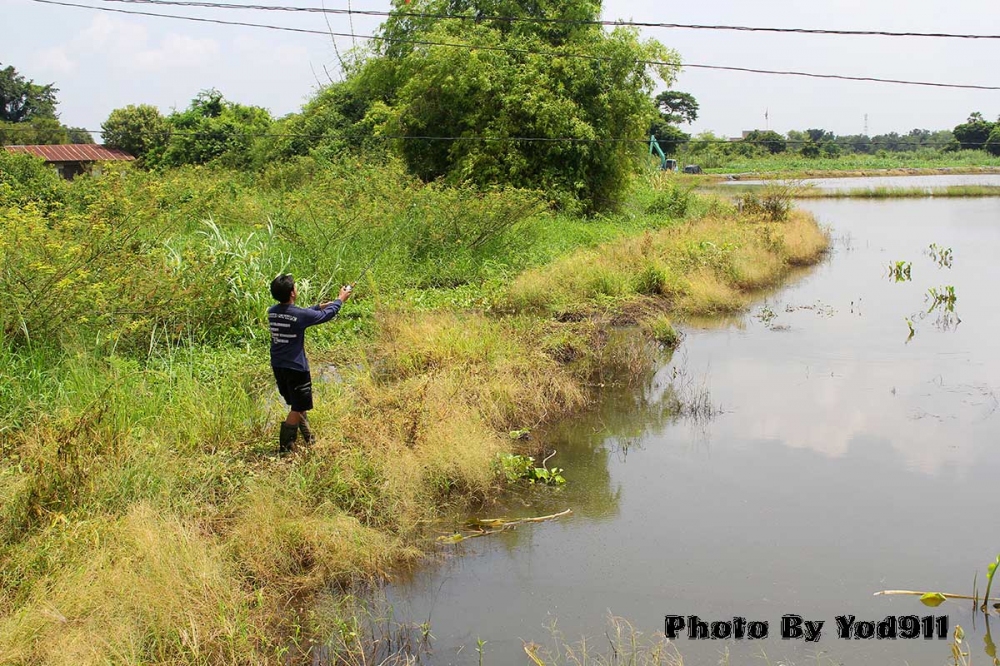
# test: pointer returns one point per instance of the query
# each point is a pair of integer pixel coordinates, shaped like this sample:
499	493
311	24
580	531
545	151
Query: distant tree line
974	134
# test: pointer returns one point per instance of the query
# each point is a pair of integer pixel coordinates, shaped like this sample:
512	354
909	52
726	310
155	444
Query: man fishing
288	324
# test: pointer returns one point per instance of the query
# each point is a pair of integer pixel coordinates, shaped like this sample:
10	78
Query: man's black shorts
295	387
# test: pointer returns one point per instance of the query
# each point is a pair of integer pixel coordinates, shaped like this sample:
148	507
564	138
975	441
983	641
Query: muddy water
845	460
871	183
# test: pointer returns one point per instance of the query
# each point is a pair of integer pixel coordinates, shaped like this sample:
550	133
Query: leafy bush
26	178
774	202
672	201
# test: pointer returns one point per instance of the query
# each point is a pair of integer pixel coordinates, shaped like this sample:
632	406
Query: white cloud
175	51
121	44
116	37
56	61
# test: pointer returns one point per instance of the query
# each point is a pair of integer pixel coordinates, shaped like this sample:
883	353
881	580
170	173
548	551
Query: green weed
899	271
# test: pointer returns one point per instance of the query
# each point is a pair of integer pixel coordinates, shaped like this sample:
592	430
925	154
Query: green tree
39	131
330	123
22	100
820	135
855	143
796	138
769	140
508	83
945	140
674	107
993	141
213	129
79	135
28	113
677	107
670	137
974	132
810	149
137	130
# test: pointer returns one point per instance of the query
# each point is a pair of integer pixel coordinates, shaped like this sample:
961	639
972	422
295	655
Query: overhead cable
551	54
557	21
557	139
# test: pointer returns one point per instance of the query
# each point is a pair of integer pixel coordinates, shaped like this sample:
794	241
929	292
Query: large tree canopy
28	113
677	107
507	102
974	132
22	100
136	129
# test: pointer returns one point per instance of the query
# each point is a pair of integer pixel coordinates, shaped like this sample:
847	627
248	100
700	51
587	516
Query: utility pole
866	124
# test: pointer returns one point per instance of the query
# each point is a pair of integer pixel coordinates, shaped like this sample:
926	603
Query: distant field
791	164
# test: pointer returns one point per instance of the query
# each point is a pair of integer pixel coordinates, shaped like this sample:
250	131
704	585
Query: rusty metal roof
73	153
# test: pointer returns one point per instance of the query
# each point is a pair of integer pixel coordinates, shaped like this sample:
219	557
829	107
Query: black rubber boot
307	433
287	437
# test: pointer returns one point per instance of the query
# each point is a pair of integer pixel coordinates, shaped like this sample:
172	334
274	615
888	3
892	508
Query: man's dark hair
282	286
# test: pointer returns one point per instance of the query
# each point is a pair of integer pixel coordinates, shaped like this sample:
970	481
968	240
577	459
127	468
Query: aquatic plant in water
941	255
899	271
516	467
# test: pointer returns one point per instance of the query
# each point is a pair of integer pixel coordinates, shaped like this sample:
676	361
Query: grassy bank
144	516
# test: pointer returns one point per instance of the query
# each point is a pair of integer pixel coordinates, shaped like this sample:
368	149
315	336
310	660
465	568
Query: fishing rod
381	250
350	287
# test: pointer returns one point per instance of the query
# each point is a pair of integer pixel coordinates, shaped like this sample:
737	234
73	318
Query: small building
70	160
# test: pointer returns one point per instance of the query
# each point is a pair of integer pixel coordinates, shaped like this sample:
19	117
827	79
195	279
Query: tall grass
706	266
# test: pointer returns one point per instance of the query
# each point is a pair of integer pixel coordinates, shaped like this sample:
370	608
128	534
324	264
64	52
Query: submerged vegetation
145	516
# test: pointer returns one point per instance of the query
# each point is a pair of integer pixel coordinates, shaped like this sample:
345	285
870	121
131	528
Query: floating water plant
516	467
941	255
899	271
942	297
935	599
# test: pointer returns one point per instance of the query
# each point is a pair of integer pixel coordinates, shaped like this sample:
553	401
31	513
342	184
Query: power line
552	54
644	141
560	21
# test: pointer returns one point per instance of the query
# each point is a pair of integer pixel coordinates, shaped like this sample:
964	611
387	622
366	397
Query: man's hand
345	293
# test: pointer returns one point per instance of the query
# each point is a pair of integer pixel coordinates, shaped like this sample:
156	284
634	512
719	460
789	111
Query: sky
102	61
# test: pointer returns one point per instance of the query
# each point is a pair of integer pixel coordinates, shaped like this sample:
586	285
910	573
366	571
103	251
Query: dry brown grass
143	588
707	266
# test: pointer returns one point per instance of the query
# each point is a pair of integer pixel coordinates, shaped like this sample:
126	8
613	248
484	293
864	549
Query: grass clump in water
663	331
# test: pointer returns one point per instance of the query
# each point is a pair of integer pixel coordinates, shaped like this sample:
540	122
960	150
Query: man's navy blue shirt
288	325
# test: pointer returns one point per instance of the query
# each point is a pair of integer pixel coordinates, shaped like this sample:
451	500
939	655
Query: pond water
846	459
871	183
